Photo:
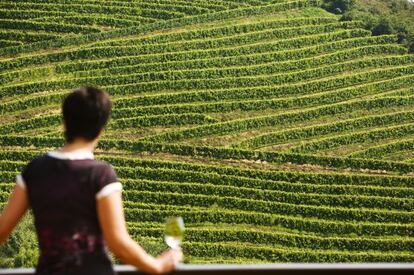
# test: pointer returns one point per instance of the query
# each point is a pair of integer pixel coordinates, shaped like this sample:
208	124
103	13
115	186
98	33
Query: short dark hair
85	113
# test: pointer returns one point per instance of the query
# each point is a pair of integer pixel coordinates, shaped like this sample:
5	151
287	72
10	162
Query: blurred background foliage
379	16
20	250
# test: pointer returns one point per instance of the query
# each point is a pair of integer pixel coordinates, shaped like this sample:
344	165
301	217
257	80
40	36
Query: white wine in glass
174	232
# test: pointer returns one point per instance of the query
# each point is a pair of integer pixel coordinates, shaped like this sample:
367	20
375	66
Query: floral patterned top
62	189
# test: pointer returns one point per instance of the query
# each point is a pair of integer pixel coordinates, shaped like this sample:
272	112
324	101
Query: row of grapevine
372	135
219	153
279	119
70	67
284	239
358	36
111	51
236	191
381	150
24	15
249	178
26	88
265	219
210	17
324	129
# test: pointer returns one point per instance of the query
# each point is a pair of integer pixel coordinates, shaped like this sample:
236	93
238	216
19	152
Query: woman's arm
14	210
112	220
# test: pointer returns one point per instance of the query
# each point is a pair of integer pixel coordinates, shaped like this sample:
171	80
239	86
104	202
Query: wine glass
174	232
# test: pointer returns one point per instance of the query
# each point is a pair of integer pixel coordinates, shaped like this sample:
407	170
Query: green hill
278	132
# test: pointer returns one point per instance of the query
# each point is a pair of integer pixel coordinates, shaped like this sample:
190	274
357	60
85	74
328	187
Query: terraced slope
26	21
279	133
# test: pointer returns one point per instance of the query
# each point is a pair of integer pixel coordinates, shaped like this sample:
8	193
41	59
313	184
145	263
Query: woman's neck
79	145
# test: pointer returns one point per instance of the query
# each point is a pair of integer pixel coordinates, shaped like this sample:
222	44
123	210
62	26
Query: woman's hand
112	220
169	259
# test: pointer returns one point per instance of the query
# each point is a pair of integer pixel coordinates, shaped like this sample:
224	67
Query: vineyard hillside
277	131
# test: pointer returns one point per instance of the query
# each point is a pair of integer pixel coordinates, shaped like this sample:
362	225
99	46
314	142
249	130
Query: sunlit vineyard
278	132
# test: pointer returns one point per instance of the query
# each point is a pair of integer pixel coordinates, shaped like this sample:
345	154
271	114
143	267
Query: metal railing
282	269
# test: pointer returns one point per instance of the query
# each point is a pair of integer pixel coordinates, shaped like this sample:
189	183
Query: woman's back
77	201
62	190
